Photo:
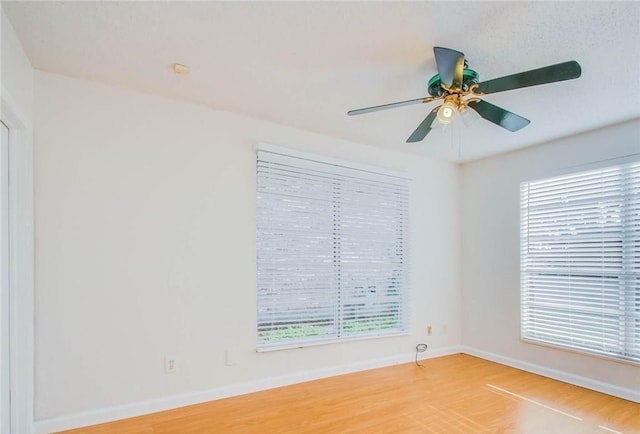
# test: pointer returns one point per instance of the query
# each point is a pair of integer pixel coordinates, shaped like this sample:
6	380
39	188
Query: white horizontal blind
580	261
331	252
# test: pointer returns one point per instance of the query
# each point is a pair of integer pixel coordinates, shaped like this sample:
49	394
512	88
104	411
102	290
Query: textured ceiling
305	64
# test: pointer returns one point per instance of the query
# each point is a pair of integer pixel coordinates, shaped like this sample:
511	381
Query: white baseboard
588	383
170	402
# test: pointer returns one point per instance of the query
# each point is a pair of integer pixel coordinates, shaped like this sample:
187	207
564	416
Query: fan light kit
447	112
460	88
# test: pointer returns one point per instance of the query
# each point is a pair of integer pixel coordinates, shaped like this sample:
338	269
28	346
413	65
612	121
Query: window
580	261
331	251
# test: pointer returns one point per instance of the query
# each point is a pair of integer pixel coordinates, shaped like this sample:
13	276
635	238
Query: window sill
581	352
328	341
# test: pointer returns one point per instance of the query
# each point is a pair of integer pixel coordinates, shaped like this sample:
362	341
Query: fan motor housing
469	77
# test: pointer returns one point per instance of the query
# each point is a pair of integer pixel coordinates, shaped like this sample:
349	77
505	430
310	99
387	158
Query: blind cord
420	348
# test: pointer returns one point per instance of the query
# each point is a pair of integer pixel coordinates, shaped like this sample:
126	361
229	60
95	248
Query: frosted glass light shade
447	112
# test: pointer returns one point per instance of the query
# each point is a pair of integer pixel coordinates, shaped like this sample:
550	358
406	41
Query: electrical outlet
170	365
429	330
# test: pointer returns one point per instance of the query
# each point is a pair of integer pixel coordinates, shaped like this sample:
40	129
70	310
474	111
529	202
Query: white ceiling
305	64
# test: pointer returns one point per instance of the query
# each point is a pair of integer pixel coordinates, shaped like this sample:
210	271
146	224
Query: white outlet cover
170	365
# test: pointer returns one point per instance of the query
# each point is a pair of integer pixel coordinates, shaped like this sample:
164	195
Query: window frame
342	334
633	359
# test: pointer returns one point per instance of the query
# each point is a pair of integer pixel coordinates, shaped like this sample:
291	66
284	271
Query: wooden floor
453	394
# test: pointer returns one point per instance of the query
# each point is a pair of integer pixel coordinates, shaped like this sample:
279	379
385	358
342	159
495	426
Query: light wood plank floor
449	395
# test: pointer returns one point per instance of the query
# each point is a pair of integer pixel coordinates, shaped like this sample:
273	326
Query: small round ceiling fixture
180	69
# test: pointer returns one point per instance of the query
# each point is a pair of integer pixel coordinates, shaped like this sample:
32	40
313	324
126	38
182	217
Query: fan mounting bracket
437	89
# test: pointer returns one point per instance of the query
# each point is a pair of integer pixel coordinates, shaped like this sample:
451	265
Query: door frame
5	296
21	263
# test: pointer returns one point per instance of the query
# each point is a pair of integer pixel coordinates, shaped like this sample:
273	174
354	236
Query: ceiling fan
459	88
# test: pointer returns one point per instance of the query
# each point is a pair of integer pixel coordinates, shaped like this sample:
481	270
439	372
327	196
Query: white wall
16	110
491	249
145	248
17	74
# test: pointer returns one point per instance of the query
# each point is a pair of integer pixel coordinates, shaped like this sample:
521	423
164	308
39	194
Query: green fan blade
423	129
450	65
548	74
499	116
389	106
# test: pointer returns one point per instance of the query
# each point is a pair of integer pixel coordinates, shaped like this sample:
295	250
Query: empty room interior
318	217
